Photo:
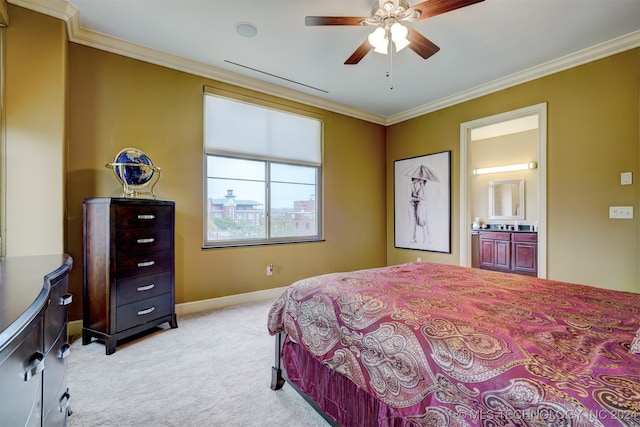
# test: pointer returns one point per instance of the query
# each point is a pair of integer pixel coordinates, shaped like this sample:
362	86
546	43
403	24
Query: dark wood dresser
33	340
128	268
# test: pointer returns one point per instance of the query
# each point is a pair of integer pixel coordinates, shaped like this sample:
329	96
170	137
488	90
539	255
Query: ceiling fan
388	16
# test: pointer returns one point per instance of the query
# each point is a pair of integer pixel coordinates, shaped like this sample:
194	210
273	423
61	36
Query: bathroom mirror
506	199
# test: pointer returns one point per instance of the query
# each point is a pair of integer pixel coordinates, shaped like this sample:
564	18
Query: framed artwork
422	202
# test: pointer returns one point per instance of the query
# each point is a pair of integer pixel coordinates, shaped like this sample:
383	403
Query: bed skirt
336	395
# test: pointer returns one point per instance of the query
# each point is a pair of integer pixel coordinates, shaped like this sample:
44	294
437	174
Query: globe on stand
135	171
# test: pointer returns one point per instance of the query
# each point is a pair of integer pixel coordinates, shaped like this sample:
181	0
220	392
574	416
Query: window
263	173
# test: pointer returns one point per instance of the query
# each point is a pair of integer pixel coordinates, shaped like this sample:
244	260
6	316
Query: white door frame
465	180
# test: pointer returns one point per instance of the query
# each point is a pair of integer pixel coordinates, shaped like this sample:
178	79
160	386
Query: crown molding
602	50
4	14
61	9
142	53
66	11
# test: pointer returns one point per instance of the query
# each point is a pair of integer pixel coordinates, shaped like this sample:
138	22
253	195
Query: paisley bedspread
455	346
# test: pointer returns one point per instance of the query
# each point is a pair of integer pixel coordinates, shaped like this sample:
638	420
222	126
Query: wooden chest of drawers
128	267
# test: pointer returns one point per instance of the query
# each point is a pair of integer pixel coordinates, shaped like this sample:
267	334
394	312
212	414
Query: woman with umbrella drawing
417	202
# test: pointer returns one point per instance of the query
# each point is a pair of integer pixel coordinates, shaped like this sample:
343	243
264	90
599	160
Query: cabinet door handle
66	299
146	216
146	287
146	311
146	263
64	351
65	401
143	241
35	366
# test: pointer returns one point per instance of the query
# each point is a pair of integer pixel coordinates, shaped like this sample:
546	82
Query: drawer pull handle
146	216
146	263
64	351
66	299
143	241
35	366
146	287
65	401
146	311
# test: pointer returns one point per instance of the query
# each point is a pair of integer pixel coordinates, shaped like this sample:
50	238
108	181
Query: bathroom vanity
511	251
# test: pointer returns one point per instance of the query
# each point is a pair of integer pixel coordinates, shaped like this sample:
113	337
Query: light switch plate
621	212
626	178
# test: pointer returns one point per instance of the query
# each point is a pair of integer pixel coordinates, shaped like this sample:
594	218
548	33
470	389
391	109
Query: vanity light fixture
506	168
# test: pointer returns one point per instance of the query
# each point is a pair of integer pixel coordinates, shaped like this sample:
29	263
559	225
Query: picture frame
422	202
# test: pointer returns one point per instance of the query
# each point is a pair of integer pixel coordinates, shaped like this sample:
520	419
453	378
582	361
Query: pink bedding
454	346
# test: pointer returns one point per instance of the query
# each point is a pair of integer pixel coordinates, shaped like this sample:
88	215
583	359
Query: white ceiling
484	47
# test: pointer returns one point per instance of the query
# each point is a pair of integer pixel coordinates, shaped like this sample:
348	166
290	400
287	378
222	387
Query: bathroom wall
521	147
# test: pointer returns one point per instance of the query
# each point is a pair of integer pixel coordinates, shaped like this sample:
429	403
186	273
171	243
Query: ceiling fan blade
420	44
311	21
430	8
360	53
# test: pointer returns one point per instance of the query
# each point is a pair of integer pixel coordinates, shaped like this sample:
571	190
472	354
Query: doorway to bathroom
484	139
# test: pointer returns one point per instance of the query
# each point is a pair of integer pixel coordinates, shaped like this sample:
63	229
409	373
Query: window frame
268	240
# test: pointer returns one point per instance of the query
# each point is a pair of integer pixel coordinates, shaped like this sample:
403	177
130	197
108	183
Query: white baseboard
75	326
214	303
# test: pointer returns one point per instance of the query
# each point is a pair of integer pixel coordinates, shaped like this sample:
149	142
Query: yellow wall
117	102
35	134
593	136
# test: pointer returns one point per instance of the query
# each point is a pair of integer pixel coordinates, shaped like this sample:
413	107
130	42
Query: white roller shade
234	127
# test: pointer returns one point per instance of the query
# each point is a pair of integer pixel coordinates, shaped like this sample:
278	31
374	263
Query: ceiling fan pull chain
390	65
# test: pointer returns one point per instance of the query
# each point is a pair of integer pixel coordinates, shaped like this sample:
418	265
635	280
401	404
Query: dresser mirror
506	199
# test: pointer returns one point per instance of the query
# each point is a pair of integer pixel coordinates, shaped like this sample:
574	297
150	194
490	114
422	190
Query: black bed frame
279	377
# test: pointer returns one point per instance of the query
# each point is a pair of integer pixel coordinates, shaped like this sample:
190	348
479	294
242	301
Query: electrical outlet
621	212
270	270
626	178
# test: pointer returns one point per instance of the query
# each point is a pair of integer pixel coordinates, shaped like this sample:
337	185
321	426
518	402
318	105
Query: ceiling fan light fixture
382	47
386	13
378	40
399	35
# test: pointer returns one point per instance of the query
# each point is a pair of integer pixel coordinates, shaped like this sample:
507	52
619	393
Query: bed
427	344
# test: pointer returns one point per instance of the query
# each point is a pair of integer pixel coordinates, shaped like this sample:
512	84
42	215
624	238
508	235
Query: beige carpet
213	370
